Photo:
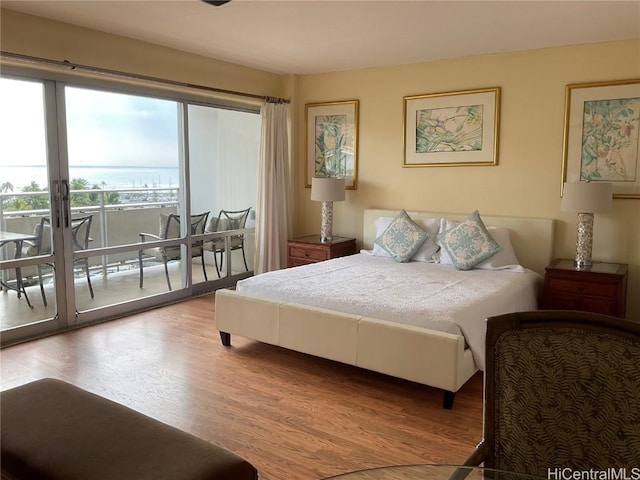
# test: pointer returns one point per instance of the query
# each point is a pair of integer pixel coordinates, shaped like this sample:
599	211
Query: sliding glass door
29	299
125	187
125	164
223	152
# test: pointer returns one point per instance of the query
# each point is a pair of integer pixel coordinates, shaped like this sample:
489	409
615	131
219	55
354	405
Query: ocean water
113	177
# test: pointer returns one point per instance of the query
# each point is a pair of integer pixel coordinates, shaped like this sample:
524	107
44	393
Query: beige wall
527	180
39	37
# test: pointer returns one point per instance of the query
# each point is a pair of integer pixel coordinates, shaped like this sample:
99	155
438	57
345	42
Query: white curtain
272	216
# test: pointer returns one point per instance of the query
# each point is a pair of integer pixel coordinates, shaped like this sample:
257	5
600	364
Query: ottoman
55	431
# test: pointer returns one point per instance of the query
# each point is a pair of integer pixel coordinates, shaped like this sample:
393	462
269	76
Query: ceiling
310	36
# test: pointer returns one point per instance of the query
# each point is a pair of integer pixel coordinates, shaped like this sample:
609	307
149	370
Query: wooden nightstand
601	288
310	249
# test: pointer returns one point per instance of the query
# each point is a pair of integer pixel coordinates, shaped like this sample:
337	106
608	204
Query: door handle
55	189
66	207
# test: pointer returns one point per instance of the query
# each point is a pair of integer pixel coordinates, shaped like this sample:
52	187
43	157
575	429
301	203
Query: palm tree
78	184
110	198
6	187
36	202
79	199
31	202
32	187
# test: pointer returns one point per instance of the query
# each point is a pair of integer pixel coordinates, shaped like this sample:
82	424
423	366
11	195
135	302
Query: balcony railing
115	224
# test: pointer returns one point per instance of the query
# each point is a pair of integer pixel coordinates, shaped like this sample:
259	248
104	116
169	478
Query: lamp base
327	220
584	240
583	264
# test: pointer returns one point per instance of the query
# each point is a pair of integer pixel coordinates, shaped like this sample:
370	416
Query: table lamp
327	190
586	198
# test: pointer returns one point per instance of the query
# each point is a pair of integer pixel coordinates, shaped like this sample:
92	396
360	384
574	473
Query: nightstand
309	249
601	288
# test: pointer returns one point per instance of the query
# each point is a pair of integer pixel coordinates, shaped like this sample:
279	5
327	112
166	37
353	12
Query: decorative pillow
426	253
402	238
506	258
468	243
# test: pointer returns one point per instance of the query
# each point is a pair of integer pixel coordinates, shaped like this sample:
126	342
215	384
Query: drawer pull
306	254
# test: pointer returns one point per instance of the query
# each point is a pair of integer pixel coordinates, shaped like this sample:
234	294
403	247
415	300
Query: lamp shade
587	197
327	189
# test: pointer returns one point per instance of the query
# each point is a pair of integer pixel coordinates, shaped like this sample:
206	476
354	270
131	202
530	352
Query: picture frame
452	128
602	135
331	141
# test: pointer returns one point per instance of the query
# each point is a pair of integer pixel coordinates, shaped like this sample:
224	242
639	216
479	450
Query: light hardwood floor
293	416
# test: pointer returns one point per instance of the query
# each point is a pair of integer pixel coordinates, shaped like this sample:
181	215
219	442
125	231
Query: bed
443	350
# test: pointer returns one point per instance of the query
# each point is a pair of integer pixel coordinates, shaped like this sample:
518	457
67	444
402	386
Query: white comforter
427	295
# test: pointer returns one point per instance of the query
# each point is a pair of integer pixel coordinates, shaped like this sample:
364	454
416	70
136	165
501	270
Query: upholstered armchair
562	389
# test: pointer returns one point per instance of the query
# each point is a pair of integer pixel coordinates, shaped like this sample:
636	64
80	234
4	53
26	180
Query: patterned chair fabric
562	391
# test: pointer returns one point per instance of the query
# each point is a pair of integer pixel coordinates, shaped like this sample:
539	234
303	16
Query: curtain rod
136	76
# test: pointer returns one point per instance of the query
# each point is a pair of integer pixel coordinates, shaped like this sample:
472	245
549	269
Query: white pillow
506	258
381	225
443	256
427	251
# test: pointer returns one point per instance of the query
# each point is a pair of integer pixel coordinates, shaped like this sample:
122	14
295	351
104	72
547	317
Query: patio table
18	239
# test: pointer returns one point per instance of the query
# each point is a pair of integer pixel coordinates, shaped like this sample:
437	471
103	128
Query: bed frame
430	357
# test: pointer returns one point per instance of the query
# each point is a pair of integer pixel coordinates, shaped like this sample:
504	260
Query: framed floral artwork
452	128
332	141
602	135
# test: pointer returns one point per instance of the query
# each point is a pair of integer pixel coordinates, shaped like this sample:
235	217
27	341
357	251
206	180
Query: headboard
532	238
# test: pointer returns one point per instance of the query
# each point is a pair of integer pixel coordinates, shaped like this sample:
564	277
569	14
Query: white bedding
427	295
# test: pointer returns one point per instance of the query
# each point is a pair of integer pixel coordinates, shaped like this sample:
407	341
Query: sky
104	128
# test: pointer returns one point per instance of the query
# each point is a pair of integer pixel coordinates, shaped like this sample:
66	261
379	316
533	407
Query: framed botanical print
602	135
452	128
331	141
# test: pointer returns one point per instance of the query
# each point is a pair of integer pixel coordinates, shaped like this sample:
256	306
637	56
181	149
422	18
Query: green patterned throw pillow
469	243
402	238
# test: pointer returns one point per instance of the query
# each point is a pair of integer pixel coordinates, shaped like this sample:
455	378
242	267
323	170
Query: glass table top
431	472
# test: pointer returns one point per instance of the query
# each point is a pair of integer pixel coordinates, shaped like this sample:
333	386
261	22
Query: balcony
113	253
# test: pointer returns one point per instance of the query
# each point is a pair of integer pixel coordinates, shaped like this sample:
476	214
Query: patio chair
228	220
40	246
170	228
80	235
561	391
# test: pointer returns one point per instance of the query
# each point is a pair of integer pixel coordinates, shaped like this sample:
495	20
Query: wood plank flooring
292	415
